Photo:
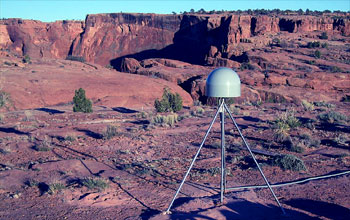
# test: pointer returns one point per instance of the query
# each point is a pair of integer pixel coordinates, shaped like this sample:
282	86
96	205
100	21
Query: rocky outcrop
108	36
201	39
39	39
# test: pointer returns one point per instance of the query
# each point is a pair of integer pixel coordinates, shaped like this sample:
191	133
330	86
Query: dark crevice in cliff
337	23
244	58
286	25
253	26
80	36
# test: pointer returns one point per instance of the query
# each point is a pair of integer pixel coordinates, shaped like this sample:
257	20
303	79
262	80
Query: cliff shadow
191	44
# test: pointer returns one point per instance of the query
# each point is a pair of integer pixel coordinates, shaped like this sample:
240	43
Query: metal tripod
221	110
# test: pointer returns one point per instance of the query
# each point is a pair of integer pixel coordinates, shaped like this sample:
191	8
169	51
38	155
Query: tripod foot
166	213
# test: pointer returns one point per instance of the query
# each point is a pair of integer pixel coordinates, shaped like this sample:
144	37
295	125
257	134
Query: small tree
324	36
81	103
169	102
317	54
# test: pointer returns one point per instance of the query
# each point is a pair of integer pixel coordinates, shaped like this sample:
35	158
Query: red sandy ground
144	164
143	167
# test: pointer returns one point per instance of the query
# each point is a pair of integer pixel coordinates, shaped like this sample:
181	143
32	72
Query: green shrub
332	117
346	98
282	125
94	183
76	58
110	132
296	148
288	162
165	120
81	103
197	111
313	44
324	104
335	69
341	139
276	42
311	62
317	54
26	59
55	187
169	102
43	146
324	45
280	131
5	99
324	36
307	105
235	110
288	118
70	138
307	141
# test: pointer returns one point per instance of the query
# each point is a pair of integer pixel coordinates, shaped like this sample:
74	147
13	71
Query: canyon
182	49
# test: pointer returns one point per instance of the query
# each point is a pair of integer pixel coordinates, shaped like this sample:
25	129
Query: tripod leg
223	168
256	162
193	160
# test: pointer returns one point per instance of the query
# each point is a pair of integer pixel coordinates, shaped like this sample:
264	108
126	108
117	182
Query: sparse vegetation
314	44
346	98
26	59
198	111
305	140
165	120
55	187
2	117
288	162
5	99
324	104
43	146
31	182
110	132
81	103
311	62
70	138
170	102
246	66
307	105
332	117
95	183
28	115
282	125
296	148
341	139
317	54
76	58
280	131
235	110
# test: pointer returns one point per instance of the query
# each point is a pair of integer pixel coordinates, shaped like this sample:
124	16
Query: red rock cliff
39	39
193	38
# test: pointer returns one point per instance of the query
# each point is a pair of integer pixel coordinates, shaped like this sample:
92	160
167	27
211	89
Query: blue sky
51	10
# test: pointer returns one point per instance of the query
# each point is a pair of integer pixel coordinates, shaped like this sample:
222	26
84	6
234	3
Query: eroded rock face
38	39
109	36
200	39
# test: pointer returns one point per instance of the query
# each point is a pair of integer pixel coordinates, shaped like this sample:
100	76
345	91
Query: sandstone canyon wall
201	39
